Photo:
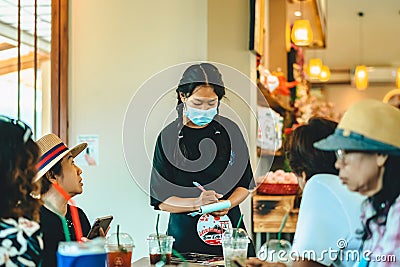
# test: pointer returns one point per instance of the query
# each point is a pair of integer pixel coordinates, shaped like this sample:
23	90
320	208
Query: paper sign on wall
90	156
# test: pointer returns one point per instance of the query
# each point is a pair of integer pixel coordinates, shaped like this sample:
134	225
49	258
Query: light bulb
361	77
325	74
301	32
314	68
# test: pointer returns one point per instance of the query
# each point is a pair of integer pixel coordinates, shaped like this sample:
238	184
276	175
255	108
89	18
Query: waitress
204	147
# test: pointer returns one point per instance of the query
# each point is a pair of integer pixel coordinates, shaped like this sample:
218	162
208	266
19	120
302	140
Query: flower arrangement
312	104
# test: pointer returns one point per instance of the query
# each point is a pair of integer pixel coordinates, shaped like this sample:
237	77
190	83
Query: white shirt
328	219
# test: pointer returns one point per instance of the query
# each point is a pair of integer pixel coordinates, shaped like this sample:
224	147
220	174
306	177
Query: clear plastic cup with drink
160	248
234	245
119	250
81	254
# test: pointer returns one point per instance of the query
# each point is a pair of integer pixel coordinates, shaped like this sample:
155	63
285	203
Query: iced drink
160	248
231	254
234	246
118	258
119	250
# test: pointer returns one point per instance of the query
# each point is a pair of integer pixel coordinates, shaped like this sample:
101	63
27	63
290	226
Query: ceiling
349	40
372	40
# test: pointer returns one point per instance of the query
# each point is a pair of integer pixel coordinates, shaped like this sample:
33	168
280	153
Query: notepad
211	208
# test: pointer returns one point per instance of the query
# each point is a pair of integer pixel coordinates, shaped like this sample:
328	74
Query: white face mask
200	117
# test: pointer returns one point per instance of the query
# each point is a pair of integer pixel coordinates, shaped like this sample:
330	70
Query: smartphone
102	222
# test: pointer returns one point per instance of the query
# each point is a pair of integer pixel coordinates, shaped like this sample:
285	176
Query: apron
191	233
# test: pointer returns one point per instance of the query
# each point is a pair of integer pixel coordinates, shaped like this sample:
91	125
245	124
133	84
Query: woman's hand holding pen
208	197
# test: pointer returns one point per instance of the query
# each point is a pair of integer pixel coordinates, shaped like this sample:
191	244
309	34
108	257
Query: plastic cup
119	256
160	248
234	245
278	250
81	254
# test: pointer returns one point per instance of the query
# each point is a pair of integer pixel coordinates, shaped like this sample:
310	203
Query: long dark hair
203	74
384	199
17	172
302	155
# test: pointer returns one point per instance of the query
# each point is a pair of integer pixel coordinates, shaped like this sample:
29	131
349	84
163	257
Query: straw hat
52	149
368	125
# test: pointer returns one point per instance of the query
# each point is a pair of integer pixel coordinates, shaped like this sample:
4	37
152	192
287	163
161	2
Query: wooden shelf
267	152
269	211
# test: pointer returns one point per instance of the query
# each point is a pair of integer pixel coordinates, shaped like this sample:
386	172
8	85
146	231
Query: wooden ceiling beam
27	61
5	46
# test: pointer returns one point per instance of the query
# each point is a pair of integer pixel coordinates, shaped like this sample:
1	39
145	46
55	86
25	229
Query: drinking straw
163	256
180	256
158	235
120	247
240	221
74	212
238	224
63	221
283	224
118	244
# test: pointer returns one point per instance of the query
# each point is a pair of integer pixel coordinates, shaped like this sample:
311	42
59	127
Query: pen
199	186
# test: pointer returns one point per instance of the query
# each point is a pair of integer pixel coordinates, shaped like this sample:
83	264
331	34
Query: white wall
371	40
114	48
343	96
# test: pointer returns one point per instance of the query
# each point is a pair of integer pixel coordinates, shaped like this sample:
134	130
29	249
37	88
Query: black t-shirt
53	233
215	156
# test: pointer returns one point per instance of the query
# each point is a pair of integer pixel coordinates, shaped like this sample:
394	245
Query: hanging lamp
314	68
325	74
302	34
361	73
398	78
361	77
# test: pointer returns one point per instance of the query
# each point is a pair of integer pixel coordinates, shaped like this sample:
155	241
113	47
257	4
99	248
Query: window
33	63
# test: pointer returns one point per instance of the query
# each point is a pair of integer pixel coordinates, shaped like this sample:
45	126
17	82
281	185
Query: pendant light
361	73
398	78
361	77
301	32
325	74
314	68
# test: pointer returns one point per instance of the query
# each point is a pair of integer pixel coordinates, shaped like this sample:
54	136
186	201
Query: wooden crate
269	211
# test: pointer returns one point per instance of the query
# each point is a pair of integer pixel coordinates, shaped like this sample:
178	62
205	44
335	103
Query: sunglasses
27	130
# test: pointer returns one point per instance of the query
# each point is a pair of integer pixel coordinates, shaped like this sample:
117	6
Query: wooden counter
145	262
